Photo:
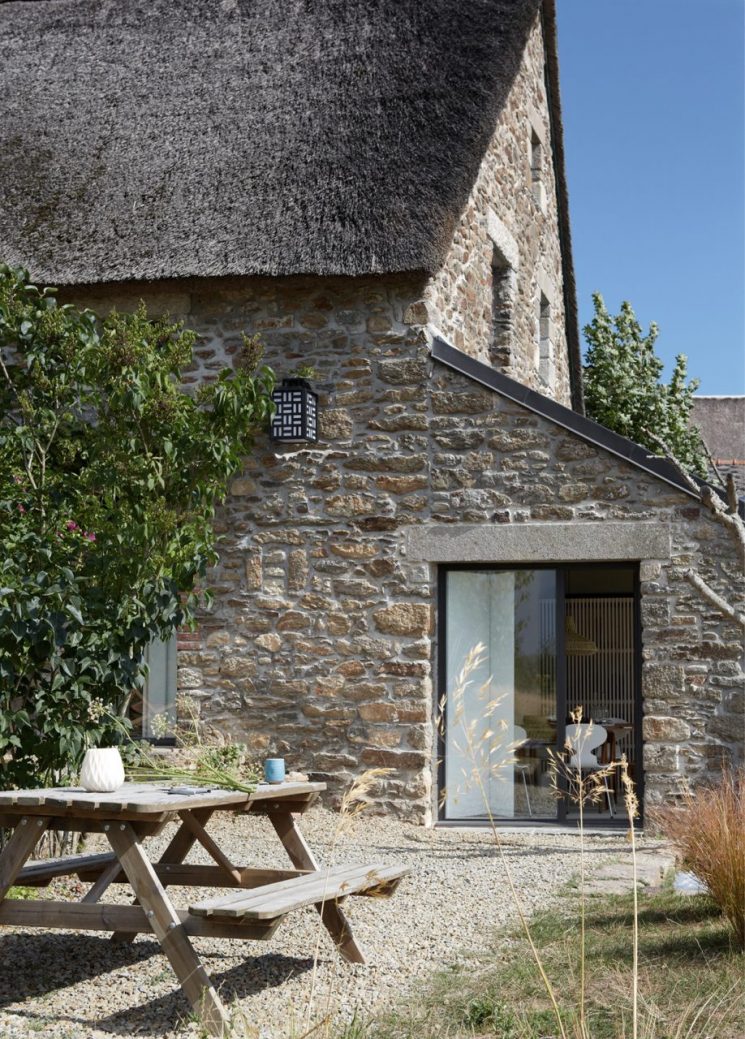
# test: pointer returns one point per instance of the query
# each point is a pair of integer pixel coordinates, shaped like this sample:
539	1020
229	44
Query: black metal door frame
561	570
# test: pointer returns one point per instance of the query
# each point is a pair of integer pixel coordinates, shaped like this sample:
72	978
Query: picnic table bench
138	810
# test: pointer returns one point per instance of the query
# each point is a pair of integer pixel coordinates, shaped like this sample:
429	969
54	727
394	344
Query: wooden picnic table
139	810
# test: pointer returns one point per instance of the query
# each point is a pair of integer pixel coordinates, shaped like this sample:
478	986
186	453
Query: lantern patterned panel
296	416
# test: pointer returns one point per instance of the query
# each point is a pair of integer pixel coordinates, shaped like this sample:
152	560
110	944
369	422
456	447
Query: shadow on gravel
252	975
36	964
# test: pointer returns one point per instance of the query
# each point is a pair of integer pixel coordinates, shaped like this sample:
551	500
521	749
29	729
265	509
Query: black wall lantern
296	418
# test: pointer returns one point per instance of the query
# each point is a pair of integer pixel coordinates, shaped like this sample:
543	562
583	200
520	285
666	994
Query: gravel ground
81	986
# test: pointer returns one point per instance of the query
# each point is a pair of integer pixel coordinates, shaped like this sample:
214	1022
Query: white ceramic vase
102	770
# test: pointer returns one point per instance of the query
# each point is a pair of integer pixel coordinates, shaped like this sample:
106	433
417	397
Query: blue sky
654	118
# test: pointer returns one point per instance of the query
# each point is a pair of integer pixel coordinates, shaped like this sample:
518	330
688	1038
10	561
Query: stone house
379	191
721	421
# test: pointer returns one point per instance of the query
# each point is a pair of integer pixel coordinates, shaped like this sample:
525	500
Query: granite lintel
604	541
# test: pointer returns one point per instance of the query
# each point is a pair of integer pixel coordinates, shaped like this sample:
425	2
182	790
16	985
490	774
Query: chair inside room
584	739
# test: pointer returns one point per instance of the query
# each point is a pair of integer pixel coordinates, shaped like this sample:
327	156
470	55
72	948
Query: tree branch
730	520
716	600
731	493
718	509
712	463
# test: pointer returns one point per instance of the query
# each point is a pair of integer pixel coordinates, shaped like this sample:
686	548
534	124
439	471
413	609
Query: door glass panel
500	721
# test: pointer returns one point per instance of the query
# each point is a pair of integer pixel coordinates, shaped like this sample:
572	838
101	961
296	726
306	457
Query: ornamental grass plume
708	831
570	781
469	737
631	804
355	800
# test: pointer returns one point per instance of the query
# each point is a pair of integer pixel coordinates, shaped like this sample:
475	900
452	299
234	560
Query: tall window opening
503	300
536	169
546	367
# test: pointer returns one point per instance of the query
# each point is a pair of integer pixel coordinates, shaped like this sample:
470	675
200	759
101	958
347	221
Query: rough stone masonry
322	642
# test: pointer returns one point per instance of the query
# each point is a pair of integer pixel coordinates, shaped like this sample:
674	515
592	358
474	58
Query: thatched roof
166	138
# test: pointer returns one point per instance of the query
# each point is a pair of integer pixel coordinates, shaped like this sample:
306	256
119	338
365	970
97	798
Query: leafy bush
109	476
708	831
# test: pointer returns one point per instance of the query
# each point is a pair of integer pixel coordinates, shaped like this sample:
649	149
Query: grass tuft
708	831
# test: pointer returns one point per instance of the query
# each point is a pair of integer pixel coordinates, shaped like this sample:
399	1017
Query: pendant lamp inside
577	645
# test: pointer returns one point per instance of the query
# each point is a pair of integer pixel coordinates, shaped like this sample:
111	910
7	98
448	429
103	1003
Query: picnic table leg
151	894
102	883
302	857
25	837
181	844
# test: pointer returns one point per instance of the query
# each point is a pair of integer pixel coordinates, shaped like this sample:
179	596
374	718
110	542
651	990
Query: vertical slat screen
604	682
548	658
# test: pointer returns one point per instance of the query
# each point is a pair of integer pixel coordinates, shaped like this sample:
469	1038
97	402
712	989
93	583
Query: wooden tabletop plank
150	798
292	791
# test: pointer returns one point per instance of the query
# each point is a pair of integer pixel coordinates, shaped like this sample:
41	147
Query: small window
158	696
545	344
503	300
536	169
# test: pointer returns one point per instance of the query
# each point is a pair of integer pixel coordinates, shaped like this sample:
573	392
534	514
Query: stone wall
322	642
508	210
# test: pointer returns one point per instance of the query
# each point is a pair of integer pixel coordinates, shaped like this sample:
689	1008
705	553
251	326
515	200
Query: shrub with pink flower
109	477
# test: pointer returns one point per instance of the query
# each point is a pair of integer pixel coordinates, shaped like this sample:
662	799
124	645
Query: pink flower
21	508
90	536
71	525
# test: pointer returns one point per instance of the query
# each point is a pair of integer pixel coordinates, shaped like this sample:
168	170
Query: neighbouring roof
170	138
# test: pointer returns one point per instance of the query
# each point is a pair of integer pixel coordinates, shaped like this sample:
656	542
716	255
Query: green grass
688	967
23	892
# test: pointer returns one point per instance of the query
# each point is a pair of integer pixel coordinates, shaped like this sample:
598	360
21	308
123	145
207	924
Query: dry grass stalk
631	803
568	780
474	659
708	831
204	756
355	800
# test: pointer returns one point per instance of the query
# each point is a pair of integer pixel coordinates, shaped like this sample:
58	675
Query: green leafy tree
623	390
110	472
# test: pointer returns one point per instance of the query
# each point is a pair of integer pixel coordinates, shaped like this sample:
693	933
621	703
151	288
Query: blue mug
274	770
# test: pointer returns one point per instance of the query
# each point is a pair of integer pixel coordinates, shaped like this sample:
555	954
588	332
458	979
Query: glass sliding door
500	718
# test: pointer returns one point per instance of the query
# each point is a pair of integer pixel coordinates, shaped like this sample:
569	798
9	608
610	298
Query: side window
546	364
504	284
159	693
538	155
536	169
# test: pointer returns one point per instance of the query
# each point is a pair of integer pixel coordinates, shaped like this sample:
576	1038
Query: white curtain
480	721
